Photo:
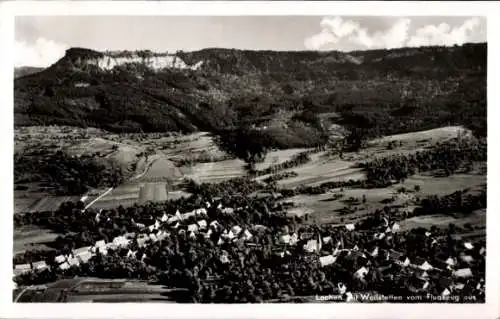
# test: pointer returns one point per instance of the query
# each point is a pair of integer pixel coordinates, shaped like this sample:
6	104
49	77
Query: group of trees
68	174
322	188
444	158
235	186
458	202
296	160
279	176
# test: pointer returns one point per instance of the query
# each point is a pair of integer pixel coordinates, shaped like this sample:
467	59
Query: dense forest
66	174
281	99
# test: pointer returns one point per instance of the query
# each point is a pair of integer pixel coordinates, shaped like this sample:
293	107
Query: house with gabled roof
40	265
202	224
73	261
463	273
83	258
21	269
64	266
60	259
81	250
327	260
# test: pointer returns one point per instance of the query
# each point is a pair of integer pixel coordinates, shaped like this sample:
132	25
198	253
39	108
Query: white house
40	265
160	235
350	227
81	250
362	272
21	269
215	224
84	257
247	234
73	262
153	237
327	260
202	224
131	254
100	243
342	288
426	266
192	228
405	263
60	259
311	246
467	258
224	258
285	239
395	227
141	241
379	236
164	218
121	241
450	261
64	266
103	250
201	211
208	234
236	230
468	245
463	273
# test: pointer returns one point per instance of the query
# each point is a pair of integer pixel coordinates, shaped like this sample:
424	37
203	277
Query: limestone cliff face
109	60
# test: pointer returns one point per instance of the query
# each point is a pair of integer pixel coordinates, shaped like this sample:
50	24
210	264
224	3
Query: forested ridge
291	97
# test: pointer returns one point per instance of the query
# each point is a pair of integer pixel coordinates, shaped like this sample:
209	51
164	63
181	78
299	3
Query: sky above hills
42	40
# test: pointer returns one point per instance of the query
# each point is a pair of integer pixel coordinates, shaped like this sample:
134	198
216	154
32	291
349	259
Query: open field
442	185
161	169
37	202
214	172
195	147
326	210
477	219
410	143
278	157
29	238
138	192
421	138
326	168
97	290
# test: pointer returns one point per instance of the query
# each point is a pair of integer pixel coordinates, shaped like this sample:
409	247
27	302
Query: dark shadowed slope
288	93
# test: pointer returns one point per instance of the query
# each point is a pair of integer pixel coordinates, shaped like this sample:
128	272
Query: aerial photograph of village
250	159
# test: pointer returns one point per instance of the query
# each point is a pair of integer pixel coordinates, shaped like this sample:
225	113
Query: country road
148	166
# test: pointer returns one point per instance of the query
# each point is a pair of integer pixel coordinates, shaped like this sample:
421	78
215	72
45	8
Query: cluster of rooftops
313	244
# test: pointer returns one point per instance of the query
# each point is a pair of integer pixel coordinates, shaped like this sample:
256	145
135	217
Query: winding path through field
98	198
146	168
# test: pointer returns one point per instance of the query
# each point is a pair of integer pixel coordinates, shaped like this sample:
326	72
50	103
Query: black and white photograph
238	159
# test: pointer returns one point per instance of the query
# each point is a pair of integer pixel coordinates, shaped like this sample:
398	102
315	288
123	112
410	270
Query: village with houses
253	176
